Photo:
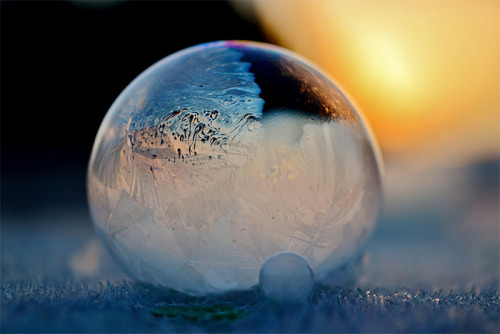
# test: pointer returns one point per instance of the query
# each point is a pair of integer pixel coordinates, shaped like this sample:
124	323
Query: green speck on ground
211	312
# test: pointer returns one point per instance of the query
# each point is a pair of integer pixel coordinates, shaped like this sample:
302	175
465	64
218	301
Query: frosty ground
53	306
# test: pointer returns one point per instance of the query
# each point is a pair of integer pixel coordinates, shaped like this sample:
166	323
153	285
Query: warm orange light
426	73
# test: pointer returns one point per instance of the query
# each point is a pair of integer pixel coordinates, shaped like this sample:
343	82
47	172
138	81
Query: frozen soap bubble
287	278
224	154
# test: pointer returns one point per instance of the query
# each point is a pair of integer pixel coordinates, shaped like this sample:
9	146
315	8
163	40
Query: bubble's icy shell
287	278
223	154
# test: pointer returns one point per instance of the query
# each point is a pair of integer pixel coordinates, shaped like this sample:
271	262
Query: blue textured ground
80	307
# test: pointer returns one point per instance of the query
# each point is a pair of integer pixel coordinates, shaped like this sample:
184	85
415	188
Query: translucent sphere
223	154
286	278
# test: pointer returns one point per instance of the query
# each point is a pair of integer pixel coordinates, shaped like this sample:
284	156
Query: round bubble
286	278
223	154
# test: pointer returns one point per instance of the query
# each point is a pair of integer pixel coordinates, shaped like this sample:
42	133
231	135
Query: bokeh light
426	73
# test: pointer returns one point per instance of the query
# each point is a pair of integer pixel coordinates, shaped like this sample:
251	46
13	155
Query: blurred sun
425	73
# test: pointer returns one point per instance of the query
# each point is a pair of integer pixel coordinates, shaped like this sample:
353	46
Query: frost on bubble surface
222	155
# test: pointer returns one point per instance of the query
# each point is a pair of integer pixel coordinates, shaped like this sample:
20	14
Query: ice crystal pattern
221	155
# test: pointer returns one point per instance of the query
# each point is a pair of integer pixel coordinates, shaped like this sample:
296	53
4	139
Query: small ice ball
286	278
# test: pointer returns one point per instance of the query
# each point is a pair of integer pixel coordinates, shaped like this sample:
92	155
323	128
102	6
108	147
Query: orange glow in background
425	73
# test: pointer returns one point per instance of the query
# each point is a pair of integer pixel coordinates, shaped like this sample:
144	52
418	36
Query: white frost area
204	225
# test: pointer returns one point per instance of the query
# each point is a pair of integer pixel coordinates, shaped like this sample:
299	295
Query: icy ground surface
433	268
77	306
